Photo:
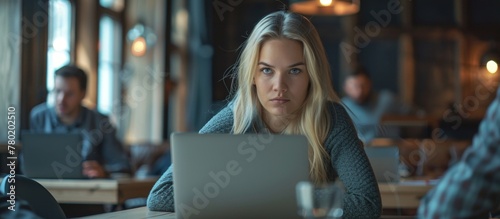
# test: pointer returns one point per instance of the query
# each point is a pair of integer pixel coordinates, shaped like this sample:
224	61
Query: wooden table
143	212
136	213
406	194
97	191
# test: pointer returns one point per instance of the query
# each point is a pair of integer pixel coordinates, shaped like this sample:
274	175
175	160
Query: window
59	43
110	59
10	66
115	5
109	64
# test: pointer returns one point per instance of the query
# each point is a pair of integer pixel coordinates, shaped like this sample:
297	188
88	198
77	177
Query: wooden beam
34	34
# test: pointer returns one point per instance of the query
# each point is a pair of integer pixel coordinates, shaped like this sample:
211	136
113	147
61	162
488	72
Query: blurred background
158	66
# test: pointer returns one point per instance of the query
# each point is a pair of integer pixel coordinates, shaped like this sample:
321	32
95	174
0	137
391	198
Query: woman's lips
279	100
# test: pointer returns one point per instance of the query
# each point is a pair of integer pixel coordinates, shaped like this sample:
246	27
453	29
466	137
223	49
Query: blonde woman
284	86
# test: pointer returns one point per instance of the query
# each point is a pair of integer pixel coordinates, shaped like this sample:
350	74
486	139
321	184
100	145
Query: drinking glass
323	201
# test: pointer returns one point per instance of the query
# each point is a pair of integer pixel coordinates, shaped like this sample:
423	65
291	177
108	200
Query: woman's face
281	79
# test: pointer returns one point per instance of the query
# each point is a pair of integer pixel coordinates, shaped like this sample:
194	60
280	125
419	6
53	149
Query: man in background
367	107
102	152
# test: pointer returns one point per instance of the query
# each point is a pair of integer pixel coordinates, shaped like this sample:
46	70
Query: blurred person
284	87
103	154
367	107
471	187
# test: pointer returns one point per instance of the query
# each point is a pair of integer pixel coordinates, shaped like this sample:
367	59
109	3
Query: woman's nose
280	83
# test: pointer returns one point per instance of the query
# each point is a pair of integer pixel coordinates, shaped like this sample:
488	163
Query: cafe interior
156	67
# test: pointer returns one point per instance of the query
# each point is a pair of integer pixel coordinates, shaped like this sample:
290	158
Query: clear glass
319	201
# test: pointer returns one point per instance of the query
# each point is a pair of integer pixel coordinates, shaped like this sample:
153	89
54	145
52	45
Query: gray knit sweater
348	162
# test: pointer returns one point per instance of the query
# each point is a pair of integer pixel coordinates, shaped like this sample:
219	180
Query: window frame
119	18
72	38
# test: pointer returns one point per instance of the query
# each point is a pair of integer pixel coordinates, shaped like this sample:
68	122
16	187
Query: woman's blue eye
295	71
266	70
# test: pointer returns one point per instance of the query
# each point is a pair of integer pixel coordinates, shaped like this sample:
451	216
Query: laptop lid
237	176
385	163
52	155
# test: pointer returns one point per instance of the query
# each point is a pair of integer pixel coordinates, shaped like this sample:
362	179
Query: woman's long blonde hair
313	120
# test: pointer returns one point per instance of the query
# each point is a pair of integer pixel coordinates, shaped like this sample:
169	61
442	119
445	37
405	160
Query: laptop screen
385	163
52	155
252	176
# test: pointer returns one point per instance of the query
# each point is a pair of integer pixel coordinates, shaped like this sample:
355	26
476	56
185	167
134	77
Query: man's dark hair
358	72
73	71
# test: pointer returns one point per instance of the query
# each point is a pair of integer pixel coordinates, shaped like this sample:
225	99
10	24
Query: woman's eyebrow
293	65
263	63
296	64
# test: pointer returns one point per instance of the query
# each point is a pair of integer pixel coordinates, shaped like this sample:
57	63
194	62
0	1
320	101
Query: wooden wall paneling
86	49
34	57
406	69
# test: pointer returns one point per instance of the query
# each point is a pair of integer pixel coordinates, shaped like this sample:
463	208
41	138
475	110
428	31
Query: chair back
38	197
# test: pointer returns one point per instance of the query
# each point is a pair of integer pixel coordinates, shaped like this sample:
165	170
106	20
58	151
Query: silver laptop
385	163
237	176
51	155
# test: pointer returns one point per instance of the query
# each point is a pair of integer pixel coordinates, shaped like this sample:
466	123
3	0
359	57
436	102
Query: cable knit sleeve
222	122
349	160
161	197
